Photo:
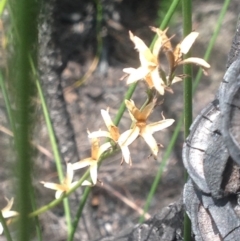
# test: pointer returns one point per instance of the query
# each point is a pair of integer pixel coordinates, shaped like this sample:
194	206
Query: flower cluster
151	69
156	78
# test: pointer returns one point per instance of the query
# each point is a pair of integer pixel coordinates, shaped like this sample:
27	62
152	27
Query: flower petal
86	183
99	133
162	40
149	81
1	229
149	139
171	60
188	42
54	186
113	130
94	148
177	53
157	82
106	117
69	175
145	55
9	205
177	79
126	154
132	109
93	172
83	163
58	194
10	214
158	126
197	61
127	137
147	110
103	148
135	74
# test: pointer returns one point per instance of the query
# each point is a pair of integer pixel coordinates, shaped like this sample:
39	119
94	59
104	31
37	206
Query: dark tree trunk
50	67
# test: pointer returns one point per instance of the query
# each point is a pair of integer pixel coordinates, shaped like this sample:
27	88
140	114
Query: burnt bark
167	225
51	64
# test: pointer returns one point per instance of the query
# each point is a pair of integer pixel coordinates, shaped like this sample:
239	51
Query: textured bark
167	225
235	47
50	68
214	207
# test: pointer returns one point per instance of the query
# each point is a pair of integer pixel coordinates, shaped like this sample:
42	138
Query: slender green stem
187	93
5	227
54	145
36	219
167	18
79	212
187	69
55	152
122	107
26	12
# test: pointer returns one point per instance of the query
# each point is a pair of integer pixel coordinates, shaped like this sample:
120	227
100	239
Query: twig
125	200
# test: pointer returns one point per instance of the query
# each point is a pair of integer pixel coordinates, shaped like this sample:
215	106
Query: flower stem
187	91
26	23
54	145
79	212
5	227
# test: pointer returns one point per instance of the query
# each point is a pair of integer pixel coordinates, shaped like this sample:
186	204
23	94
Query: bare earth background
106	213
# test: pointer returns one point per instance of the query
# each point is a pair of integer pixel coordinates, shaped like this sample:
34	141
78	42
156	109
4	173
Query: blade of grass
180	121
54	145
